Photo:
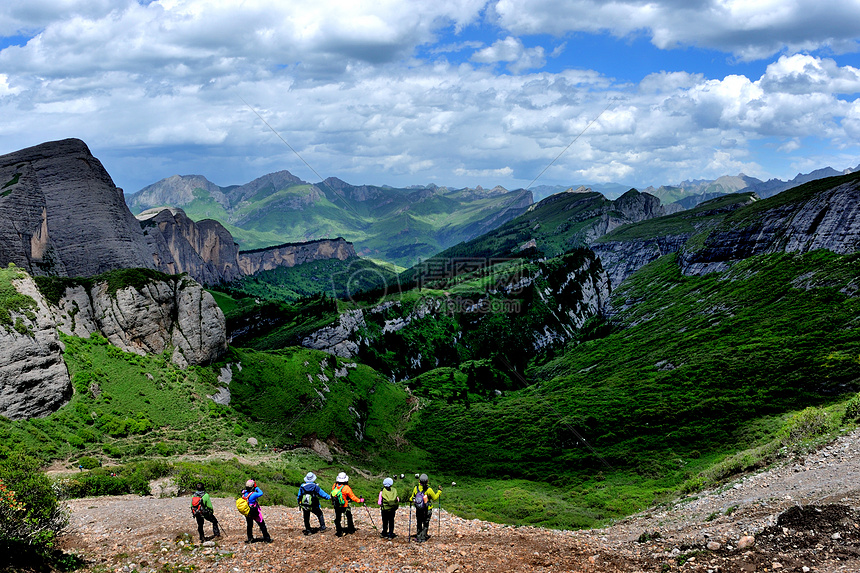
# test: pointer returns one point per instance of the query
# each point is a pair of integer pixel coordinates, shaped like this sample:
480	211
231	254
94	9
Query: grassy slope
706	367
128	407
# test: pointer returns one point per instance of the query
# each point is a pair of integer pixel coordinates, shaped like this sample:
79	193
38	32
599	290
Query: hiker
423	497
309	500
251	494
388	503
341	493
201	508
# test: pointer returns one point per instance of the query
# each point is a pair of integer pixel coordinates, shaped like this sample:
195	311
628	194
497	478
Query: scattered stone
746	541
713	546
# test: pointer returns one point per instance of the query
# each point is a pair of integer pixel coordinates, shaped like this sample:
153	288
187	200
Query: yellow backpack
242	505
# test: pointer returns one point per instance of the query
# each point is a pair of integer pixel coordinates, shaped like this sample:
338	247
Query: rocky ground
797	517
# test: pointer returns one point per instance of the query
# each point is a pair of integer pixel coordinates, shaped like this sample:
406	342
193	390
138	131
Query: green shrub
852	410
29	511
89	463
804	425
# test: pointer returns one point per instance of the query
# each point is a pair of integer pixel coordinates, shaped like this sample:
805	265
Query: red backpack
197	506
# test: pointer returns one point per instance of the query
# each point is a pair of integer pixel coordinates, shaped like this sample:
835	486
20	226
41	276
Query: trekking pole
370	516
409	531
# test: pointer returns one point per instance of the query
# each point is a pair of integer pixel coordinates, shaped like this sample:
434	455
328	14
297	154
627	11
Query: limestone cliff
61	214
291	254
205	249
630	248
824	214
33	377
173	311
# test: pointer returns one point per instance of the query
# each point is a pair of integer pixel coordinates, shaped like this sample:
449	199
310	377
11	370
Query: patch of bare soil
801	516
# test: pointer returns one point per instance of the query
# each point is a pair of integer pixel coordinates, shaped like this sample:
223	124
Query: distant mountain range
690	193
397	225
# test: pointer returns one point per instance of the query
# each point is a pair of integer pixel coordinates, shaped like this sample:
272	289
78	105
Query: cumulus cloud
161	85
750	30
511	51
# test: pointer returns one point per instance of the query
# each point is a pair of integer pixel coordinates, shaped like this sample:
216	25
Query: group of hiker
308	498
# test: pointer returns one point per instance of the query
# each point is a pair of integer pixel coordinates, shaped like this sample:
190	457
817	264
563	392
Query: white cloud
501	173
160	86
750	30
511	51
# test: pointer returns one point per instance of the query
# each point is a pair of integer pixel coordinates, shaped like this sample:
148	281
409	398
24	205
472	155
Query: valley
580	361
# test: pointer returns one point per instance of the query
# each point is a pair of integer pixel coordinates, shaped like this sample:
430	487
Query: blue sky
457	93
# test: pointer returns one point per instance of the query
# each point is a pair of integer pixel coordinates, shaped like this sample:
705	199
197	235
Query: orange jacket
347	494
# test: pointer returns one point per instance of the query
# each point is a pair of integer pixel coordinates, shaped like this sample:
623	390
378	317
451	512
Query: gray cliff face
623	258
161	314
61	214
579	294
205	250
291	254
635	206
338	339
34	380
828	219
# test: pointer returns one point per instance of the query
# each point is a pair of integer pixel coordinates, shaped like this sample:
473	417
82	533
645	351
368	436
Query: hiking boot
267	539
323	528
351	530
392	535
247	541
306	532
339	534
384	535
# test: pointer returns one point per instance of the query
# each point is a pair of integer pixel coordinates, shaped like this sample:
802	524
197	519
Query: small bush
89	463
804	425
852	410
29	511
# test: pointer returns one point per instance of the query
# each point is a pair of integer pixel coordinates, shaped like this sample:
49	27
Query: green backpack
337	498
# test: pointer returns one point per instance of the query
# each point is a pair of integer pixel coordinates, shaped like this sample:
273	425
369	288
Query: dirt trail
702	533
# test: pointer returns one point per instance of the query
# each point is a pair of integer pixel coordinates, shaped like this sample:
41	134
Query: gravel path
702	533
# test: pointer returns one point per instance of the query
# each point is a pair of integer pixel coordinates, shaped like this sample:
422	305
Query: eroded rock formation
61	214
34	380
175	312
205	249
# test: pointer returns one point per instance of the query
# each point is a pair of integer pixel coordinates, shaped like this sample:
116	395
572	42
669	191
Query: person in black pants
252	493
201	509
309	500
388	504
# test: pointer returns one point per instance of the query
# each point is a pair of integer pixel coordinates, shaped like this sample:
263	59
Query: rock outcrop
173	312
205	250
291	254
34	380
627	251
623	258
824	214
61	214
339	339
